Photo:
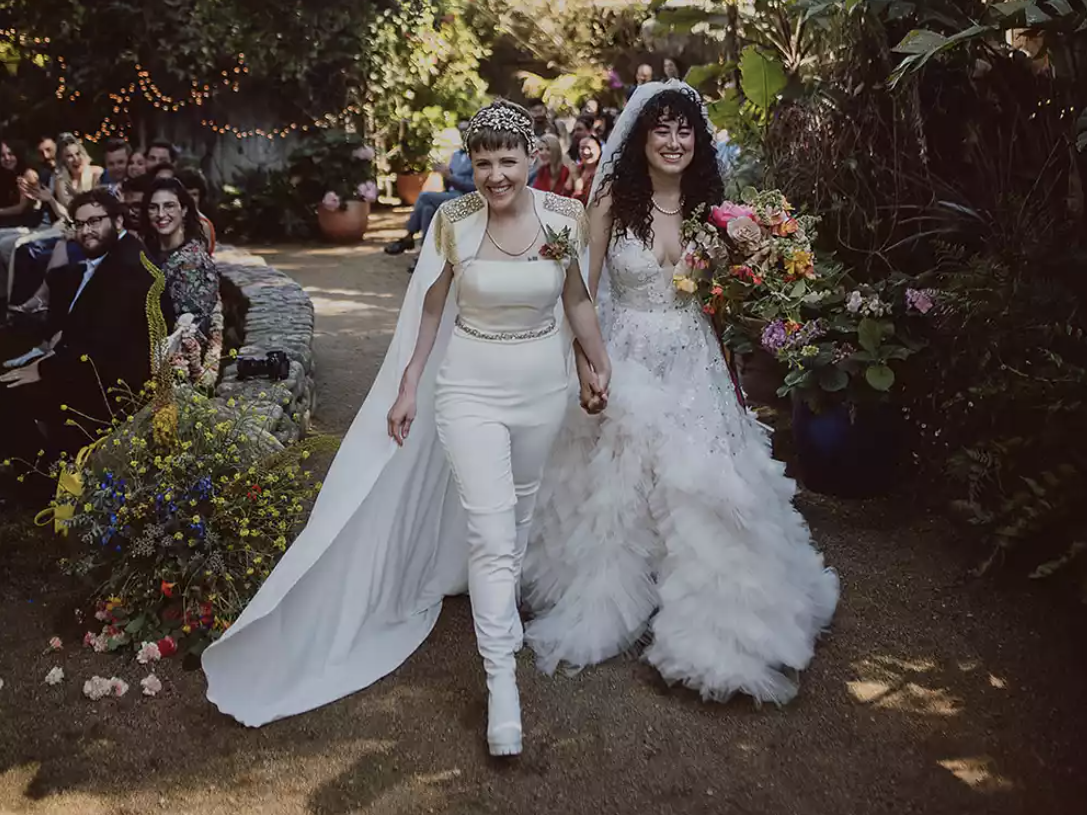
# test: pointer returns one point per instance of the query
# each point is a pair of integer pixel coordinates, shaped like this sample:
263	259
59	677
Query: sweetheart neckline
649	251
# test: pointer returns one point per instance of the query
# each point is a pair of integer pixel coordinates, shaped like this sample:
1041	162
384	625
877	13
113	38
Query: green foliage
264	205
423	78
762	78
565	93
336	161
317	69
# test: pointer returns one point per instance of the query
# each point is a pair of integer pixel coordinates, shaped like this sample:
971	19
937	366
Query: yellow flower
244	532
685	284
231	403
88	507
249	571
178	536
257	560
305	454
187	629
195	518
799	264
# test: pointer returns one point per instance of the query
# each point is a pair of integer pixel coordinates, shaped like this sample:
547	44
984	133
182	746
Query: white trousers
499	406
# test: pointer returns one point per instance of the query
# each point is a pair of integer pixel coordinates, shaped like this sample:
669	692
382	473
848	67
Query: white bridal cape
362	586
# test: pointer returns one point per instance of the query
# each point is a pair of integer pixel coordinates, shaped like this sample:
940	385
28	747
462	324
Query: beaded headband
510	120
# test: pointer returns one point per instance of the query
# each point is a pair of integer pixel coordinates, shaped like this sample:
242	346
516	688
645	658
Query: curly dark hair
629	183
191	223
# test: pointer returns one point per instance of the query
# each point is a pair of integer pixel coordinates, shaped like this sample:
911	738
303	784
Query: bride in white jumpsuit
485	370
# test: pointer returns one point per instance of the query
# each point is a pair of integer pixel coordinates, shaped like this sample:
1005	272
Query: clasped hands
594	387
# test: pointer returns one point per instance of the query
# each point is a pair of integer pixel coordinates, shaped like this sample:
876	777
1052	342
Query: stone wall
278	315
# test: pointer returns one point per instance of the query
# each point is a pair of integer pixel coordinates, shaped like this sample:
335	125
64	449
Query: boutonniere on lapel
559	245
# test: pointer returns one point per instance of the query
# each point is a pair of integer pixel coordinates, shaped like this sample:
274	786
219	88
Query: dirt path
930	696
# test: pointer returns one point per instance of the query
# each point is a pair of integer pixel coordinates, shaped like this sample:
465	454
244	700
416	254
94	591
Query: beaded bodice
637	279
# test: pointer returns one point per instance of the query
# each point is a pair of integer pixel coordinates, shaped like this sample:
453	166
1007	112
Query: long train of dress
668	517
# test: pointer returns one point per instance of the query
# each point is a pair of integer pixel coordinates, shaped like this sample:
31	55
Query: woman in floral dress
176	241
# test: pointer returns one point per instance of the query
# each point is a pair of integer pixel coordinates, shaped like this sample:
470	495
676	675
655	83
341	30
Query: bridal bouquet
751	261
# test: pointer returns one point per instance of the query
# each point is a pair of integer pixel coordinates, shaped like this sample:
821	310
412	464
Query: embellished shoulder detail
449	214
460	208
574	210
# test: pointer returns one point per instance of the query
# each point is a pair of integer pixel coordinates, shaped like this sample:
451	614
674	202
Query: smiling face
166	214
7	158
95	232
74	159
137	165
669	146
500	175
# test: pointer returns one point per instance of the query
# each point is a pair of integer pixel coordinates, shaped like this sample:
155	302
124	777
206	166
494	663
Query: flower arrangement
558	245
851	342
334	167
751	263
185	507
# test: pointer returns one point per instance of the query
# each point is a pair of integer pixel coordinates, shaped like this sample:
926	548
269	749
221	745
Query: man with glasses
107	319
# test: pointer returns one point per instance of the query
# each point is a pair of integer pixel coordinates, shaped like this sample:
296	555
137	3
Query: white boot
492	585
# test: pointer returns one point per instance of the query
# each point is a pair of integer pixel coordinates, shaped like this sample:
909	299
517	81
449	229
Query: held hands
594	390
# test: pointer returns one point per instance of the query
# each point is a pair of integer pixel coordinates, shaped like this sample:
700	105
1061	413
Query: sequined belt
508	336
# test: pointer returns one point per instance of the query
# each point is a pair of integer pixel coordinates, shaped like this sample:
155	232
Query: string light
198	94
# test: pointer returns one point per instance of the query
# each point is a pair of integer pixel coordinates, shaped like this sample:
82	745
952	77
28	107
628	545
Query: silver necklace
505	251
664	211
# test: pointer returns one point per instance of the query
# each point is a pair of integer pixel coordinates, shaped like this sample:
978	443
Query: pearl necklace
664	211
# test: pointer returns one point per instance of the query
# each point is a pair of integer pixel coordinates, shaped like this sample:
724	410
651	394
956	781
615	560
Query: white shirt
89	268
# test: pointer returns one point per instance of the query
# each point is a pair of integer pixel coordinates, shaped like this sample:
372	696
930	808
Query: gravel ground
933	694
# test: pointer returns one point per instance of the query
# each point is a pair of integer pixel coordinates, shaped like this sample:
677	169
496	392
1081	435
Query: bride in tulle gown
664	520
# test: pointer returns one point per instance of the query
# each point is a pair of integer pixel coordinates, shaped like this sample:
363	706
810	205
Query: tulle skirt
666	520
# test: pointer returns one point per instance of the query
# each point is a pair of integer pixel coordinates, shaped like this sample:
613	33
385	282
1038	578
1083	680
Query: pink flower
728	211
920	300
56	644
331	201
151	685
97	688
615	82
149	652
367	191
364	153
119	686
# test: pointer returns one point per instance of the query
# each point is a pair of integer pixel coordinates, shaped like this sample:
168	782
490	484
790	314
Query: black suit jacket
117	324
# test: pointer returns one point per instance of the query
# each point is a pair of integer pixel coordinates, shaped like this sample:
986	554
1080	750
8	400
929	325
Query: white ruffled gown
666	519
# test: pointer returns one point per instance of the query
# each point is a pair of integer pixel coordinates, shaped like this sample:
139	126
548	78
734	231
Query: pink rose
367	191
728	211
331	201
364	153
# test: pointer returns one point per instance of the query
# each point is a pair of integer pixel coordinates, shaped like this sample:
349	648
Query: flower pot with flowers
334	170
845	363
410	160
752	266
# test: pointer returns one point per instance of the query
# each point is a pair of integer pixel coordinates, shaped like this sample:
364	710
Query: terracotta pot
408	187
345	225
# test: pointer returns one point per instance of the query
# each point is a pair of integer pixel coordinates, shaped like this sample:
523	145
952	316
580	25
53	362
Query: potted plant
334	170
844	362
410	159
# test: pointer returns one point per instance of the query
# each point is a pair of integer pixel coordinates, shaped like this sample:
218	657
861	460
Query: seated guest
583	126
118	154
137	164
133	191
47	154
591	150
197	186
176	243
108	313
556	171
458	181
17	209
76	173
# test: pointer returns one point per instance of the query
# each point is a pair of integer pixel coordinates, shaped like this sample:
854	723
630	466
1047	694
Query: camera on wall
274	365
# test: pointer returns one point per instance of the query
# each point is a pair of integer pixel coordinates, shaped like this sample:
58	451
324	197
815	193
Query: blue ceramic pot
849	452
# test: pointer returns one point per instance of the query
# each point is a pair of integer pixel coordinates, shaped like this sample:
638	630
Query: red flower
167	646
168	588
708	309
